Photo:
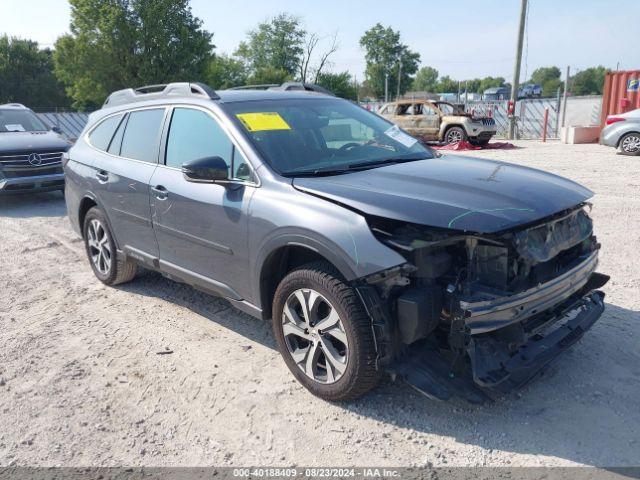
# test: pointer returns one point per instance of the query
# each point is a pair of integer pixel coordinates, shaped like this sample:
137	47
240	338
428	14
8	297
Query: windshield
20	121
322	136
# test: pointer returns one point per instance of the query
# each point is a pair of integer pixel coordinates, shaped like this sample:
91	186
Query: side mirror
206	170
56	129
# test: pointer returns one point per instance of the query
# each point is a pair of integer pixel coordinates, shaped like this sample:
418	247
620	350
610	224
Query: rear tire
630	144
110	267
455	135
324	335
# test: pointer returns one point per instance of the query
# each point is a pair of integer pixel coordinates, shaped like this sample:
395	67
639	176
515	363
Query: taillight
611	120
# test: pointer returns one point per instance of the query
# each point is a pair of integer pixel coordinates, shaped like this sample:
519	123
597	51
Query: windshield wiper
350	168
386	161
317	172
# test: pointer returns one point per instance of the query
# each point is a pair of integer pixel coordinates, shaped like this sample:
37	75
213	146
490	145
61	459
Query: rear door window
116	142
101	135
141	136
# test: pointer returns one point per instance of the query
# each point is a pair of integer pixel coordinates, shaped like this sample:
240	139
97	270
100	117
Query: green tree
341	84
426	80
268	75
548	78
115	44
224	71
471	85
588	82
26	75
276	44
543	74
491	82
386	55
447	85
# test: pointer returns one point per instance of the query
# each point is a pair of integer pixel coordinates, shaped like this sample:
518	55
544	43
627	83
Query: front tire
110	267
455	135
324	334
630	144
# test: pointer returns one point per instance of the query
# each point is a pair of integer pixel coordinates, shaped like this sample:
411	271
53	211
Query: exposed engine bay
491	308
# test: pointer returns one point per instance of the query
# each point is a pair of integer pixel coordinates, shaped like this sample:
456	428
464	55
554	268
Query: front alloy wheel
324	334
630	144
315	336
454	135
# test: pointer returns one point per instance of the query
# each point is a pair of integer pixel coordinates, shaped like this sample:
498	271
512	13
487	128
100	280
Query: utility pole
564	96
386	87
516	69
399	77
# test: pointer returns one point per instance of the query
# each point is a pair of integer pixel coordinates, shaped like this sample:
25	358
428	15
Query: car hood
460	193
28	142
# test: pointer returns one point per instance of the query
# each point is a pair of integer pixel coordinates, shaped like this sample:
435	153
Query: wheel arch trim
94	198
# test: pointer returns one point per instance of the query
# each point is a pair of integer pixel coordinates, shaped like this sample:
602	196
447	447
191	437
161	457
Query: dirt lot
81	382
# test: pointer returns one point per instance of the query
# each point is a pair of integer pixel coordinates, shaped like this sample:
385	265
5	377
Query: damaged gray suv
369	252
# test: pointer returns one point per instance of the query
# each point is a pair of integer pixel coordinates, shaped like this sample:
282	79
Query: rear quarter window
101	135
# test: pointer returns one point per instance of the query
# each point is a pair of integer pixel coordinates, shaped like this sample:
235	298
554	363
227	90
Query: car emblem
35	159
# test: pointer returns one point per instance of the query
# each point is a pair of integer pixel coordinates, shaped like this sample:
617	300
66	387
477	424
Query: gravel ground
82	383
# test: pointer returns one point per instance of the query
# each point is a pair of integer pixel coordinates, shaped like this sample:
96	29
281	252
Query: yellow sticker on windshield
259	121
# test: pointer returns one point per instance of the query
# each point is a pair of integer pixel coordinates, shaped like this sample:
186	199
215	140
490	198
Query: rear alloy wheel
99	247
630	144
107	264
455	135
324	334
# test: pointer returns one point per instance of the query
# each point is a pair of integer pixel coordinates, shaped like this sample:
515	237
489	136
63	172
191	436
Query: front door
201	228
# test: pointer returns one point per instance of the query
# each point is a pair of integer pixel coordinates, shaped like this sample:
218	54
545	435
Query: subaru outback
369	252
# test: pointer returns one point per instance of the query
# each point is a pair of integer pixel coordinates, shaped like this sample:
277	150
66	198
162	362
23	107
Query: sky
463	39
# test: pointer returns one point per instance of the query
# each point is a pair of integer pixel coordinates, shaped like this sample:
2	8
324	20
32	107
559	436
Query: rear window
101	135
141	137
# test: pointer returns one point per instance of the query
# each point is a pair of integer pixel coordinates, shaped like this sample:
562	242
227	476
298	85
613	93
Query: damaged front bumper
491	314
506	358
496	366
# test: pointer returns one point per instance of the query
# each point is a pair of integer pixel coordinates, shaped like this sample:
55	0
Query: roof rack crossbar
151	92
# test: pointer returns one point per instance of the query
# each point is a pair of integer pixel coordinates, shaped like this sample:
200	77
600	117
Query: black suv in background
30	152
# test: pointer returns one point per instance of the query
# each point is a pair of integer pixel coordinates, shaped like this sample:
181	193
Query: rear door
202	227
124	174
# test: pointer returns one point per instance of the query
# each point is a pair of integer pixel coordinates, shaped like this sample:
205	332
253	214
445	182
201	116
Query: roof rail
262	86
296	86
152	92
286	87
15	105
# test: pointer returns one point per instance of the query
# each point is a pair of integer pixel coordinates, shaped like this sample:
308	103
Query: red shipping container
621	93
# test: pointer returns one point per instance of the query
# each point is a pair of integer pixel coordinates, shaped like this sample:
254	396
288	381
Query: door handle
160	192
102	176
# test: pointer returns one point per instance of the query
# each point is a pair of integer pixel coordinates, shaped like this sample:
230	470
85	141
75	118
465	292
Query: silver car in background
623	132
